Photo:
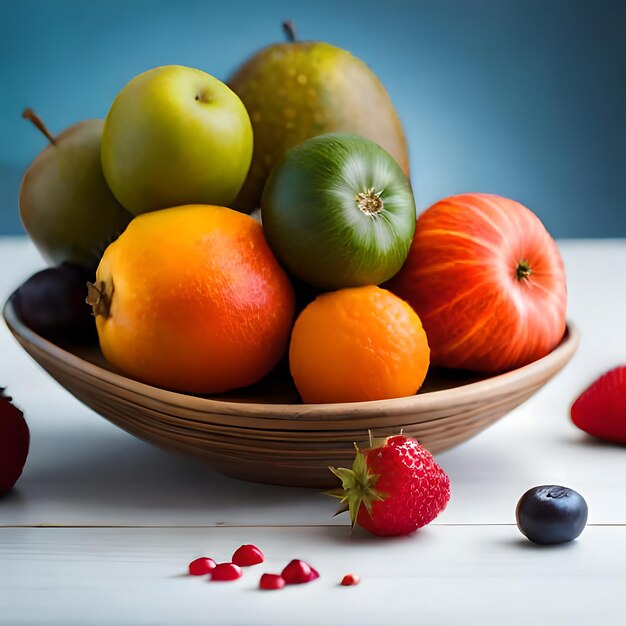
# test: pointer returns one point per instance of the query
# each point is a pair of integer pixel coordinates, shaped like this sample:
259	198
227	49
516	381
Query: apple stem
289	29
31	116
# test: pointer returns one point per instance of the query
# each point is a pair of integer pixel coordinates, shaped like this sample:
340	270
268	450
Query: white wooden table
101	526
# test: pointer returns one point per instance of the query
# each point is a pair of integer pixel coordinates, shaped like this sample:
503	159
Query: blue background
522	98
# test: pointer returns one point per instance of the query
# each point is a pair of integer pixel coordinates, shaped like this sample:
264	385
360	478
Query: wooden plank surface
471	575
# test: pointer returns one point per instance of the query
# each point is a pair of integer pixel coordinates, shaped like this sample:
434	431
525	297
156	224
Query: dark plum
52	303
551	514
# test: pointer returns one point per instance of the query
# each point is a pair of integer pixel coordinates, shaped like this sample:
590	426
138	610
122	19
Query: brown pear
296	90
65	204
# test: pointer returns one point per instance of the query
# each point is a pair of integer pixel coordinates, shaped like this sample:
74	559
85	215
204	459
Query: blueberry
551	514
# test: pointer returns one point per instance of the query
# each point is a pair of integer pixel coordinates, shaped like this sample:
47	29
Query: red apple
487	281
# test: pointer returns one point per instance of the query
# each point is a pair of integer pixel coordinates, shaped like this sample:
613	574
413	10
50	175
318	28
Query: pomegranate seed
298	572
201	566
271	581
248	555
226	571
350	579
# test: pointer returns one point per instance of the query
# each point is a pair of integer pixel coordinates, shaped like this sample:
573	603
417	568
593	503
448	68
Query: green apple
176	135
65	204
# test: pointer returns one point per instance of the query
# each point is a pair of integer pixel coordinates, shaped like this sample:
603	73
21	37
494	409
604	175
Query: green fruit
301	89
339	212
65	204
175	136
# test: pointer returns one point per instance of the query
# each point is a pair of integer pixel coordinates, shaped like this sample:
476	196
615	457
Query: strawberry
393	488
600	410
14	442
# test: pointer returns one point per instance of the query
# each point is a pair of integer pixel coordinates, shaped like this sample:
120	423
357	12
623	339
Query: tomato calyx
523	270
369	201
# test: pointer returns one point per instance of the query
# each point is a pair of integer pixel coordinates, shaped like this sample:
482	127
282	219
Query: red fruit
248	555
271	581
14	442
201	566
350	579
394	488
600	410
226	571
298	572
487	281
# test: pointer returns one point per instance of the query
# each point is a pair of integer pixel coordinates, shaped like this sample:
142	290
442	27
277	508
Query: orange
358	344
192	299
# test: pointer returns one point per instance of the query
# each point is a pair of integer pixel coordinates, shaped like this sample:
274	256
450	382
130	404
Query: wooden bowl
264	434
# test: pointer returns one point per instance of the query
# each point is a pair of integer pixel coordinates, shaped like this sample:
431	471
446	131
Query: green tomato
338	211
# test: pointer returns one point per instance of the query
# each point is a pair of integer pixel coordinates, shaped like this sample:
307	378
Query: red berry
350	579
248	555
298	572
601	409
201	566
14	442
226	571
394	488
271	581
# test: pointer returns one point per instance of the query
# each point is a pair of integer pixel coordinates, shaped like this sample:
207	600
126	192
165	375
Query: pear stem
31	116
289	28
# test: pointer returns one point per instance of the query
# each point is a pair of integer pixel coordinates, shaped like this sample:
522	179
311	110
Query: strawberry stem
357	487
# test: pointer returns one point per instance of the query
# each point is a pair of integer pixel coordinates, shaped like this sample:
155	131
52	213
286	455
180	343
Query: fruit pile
191	294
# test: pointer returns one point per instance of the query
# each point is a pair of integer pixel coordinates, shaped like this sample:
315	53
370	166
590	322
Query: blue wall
526	98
